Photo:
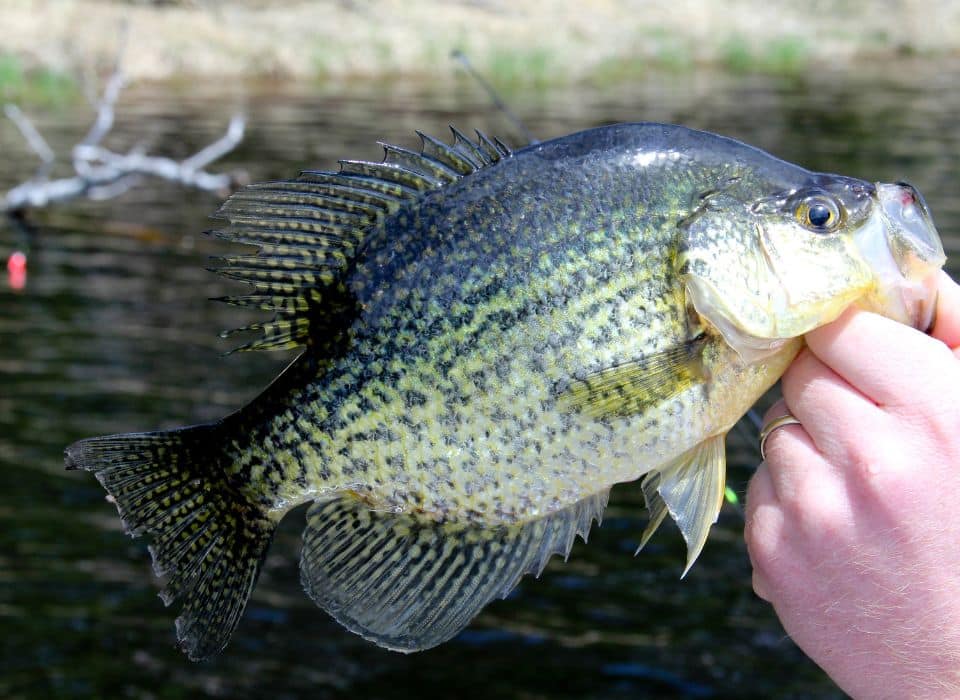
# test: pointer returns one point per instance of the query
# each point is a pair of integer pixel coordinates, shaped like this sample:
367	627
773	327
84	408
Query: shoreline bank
513	44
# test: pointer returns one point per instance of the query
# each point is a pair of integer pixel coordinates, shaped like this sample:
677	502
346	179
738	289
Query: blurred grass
520	67
37	86
784	55
518	45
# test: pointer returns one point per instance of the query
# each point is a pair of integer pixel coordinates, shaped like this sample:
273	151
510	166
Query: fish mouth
911	235
915	250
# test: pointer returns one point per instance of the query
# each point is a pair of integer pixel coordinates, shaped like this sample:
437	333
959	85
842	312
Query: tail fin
209	539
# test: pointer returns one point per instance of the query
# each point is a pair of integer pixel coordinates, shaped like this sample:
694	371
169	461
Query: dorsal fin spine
420	163
392	173
465	145
300	220
492	152
333	185
266	303
392	193
280	198
445	154
288	259
320	235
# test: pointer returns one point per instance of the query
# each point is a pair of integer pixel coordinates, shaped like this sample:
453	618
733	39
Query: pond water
113	332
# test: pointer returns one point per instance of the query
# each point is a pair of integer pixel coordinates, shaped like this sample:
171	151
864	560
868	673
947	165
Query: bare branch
105	112
101	173
220	147
111	93
115	189
34	195
107	166
33	138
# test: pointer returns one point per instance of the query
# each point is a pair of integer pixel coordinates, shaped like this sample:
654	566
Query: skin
852	522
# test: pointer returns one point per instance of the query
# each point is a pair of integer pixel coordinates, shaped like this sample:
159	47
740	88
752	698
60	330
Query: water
113	333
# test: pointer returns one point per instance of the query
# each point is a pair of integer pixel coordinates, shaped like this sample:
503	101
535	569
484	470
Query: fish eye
818	213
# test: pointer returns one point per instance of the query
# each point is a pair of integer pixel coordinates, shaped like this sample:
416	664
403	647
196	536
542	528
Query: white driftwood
101	173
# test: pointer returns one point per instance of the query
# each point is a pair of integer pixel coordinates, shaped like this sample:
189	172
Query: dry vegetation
512	41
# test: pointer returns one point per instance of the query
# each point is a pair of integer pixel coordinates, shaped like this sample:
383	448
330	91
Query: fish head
763	270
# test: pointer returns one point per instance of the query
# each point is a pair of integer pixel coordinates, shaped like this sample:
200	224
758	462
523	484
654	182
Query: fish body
492	339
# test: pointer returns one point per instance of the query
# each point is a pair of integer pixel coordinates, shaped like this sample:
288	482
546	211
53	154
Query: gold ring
788	419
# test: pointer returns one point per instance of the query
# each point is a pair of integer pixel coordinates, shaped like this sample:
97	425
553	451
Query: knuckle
933	424
801	493
864	467
881	472
763	533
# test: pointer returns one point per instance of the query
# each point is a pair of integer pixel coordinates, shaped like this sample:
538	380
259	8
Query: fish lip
914	248
911	235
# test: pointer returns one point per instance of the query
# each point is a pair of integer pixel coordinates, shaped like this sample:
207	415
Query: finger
763	528
834	414
889	362
793	460
760	585
946	320
777	408
779	534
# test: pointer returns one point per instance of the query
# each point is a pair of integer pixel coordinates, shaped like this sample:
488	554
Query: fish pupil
819	215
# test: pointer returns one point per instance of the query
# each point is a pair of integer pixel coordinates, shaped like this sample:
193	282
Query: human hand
853	521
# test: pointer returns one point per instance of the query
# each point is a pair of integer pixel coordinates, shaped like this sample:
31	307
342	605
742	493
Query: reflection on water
113	333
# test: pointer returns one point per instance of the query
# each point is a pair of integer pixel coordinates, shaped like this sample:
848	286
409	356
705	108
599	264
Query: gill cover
760	274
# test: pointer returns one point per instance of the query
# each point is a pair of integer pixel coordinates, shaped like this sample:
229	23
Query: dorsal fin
309	229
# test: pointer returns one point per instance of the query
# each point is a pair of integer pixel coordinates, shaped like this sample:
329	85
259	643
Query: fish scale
490	341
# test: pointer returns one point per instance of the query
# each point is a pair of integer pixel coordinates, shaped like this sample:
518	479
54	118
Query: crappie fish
490	341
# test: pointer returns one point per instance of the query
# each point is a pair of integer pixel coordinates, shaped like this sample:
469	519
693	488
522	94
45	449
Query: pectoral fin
635	386
690	488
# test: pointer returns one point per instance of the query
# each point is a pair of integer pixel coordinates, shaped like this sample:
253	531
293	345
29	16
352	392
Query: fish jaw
711	306
903	249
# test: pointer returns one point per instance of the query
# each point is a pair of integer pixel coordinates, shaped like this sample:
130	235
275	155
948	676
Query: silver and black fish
491	340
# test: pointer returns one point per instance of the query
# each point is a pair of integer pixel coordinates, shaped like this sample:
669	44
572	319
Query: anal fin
690	489
409	582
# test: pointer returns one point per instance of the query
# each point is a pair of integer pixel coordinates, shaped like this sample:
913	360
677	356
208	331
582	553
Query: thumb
946	325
